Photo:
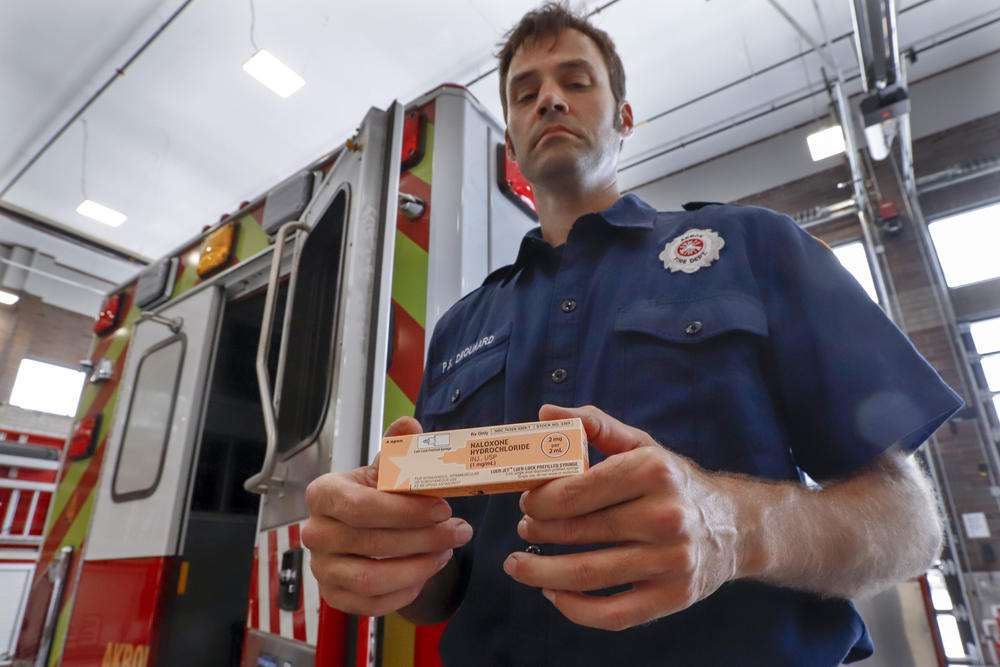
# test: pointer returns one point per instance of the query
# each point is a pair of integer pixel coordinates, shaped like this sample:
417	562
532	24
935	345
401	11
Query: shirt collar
628	212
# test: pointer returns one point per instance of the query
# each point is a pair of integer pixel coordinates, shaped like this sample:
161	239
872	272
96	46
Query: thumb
608	435
404	426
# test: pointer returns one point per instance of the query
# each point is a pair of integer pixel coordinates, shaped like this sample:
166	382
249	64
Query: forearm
439	598
850	539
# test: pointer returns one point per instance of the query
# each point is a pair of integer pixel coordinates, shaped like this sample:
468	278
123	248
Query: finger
341	496
640	521
644	603
366	577
604	432
359	605
404	426
593	570
615	480
325	535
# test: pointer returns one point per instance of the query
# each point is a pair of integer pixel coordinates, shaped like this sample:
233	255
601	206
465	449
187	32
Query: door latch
290	580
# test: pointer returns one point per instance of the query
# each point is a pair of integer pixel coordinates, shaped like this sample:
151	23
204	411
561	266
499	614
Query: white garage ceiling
183	135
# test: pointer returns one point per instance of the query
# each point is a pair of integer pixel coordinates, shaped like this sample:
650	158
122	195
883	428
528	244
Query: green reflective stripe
75	470
250	239
409	284
59	637
423	169
396	404
78	529
187	279
398	641
66	487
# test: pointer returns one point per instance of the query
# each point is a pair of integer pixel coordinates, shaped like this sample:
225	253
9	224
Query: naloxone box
491	459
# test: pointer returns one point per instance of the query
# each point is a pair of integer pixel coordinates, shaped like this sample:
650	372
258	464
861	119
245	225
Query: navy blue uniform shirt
769	360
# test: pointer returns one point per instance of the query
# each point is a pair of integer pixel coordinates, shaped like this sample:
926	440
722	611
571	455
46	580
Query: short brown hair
548	21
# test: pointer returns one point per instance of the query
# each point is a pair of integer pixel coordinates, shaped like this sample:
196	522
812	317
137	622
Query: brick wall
31	328
960	444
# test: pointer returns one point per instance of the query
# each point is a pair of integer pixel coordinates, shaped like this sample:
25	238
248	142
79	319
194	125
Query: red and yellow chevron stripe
403	644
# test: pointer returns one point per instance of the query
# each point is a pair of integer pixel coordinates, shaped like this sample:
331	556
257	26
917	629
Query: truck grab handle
264	480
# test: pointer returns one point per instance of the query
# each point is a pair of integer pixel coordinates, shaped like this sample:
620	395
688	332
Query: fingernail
549	595
463	533
522	526
440	512
444	558
510	565
520	503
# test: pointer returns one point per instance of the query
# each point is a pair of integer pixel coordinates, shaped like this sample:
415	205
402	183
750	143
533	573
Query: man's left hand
673	525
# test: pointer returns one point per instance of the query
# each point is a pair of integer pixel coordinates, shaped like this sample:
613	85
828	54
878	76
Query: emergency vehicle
272	348
29	464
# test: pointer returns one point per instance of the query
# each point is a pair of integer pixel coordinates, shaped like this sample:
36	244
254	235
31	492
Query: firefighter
726	352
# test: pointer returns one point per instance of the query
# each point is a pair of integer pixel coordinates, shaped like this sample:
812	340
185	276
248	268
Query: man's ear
509	147
627	122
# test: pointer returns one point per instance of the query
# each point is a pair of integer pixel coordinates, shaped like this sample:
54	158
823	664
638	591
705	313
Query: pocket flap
696	320
452	389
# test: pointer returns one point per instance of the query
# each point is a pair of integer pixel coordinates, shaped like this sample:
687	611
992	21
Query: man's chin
553	169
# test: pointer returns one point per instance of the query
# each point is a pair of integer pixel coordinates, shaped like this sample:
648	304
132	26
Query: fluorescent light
7	298
95	211
826	143
273	73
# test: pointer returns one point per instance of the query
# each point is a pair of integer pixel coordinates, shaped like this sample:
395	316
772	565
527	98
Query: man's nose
550	98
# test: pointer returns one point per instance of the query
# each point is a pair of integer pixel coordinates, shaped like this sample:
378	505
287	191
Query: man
725	350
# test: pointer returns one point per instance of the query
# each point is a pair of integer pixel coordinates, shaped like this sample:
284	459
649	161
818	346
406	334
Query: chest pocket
471	393
691	322
689	368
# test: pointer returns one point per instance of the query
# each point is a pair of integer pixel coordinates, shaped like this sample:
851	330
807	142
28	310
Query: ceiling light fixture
267	69
88	207
826	143
8	298
100	213
273	73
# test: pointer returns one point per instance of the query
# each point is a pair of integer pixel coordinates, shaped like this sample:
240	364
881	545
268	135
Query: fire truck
272	348
29	464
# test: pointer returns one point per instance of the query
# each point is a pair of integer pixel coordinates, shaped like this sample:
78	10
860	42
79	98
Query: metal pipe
52	276
262	481
824	56
773	107
830	211
119	71
31	513
860	194
57	230
8	519
955	175
27	485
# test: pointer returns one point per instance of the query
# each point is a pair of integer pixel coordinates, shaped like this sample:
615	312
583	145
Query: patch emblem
692	250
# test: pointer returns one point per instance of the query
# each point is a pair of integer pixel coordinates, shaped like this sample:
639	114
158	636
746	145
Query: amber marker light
217	250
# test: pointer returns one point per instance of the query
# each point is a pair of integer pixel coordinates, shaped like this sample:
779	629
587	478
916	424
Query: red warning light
514	184
84	440
108	316
414	140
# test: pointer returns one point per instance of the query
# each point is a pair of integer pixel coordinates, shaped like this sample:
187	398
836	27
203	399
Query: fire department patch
692	250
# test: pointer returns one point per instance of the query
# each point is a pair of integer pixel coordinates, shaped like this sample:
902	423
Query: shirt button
568	306
455	395
533	549
559	375
694	328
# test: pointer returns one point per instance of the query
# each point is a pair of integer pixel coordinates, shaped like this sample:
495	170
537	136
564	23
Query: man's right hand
372	551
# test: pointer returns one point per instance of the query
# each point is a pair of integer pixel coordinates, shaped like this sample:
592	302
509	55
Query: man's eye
525	97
